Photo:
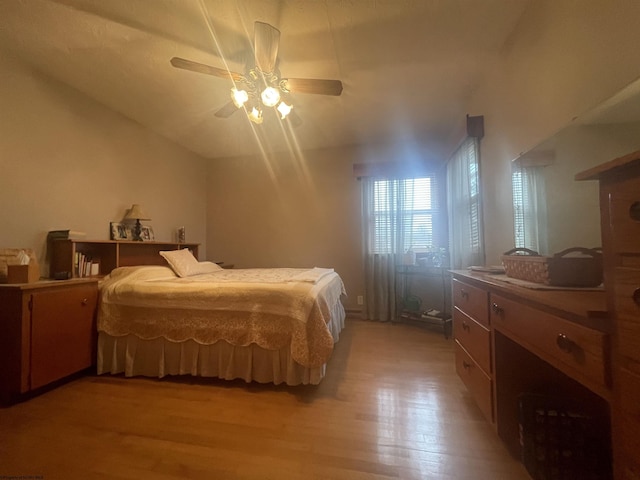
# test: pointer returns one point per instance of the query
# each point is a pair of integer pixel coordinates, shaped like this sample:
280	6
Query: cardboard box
23	273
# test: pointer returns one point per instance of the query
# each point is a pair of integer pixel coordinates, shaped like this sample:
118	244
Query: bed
264	325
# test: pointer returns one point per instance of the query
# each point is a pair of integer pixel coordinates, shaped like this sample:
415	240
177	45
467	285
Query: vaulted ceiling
408	67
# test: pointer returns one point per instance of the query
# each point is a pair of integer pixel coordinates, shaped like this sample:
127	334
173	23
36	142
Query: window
465	205
529	208
397	215
405	215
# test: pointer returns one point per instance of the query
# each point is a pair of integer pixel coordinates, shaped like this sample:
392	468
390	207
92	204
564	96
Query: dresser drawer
626	228
627	304
578	351
477	382
626	435
629	468
629	393
475	338
471	300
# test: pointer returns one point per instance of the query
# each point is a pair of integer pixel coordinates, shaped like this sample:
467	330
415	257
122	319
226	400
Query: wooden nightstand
47	332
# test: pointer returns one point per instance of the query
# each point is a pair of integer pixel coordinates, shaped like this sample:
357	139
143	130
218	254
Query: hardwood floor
390	407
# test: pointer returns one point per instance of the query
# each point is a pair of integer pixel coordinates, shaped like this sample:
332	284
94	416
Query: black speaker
475	126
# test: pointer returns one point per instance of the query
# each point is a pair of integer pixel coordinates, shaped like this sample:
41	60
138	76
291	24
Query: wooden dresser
620	223
582	345
511	340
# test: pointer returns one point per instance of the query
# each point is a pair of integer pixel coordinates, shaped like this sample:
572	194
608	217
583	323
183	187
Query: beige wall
288	212
564	59
68	162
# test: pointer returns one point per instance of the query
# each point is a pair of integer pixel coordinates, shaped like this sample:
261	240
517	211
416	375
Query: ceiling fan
262	85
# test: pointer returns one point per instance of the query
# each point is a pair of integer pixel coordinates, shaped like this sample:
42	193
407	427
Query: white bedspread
269	307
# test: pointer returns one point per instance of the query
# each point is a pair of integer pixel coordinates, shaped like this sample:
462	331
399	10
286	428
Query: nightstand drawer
471	300
476	381
576	350
475	338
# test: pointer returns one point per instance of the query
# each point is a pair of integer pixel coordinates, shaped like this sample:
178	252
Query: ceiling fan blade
312	85
202	68
227	110
266	42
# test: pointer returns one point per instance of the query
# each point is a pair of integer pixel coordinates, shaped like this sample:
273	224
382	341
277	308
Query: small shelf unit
109	254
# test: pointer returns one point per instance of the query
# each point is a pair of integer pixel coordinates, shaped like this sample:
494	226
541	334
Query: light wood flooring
390	407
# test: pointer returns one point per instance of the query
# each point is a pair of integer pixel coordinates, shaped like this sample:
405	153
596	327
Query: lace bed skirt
159	357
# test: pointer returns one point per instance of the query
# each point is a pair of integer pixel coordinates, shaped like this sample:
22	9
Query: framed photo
120	231
147	234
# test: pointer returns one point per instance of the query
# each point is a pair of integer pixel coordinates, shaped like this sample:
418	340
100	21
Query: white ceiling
408	66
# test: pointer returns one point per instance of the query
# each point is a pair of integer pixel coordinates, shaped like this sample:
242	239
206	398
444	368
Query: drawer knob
564	343
634	211
497	309
84	301
464	294
465	326
636	296
466	365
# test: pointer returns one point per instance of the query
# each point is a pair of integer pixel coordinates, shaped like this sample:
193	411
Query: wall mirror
552	211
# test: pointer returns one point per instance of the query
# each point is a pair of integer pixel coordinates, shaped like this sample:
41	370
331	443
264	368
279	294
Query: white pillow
181	261
207	267
184	264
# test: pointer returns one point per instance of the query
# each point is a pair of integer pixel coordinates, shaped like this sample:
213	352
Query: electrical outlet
360	300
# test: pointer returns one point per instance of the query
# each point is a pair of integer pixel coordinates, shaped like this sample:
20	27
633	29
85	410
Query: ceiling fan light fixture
261	84
270	97
239	97
255	115
284	110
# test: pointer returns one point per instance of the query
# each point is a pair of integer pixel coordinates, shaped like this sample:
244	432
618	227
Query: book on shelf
65	235
434	314
85	266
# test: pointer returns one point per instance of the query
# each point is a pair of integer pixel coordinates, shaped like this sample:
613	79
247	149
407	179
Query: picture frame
120	231
146	234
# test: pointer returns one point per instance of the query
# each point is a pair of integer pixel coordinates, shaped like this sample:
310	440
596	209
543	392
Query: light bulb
255	115
239	97
284	109
270	96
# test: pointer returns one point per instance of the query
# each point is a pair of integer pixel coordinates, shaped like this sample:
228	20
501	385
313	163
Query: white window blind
519	200
474	201
405	215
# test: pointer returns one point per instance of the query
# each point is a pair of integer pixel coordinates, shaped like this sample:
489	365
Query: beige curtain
383	246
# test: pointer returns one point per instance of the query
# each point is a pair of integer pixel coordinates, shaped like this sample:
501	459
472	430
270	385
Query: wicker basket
560	270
